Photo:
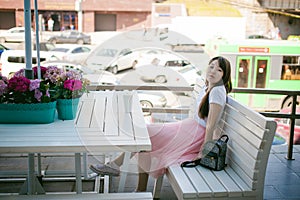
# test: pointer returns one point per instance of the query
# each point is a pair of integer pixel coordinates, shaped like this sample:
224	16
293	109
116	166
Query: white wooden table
101	125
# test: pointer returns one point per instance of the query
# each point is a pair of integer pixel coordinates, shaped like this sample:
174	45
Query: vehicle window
125	52
21	59
16	59
85	49
176	63
78	50
290	70
107	52
65	34
74	34
60	49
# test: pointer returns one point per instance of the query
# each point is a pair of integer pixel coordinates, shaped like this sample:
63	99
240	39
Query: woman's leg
142	182
120	159
111	168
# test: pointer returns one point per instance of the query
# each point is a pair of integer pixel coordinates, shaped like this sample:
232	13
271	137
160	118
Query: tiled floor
282	177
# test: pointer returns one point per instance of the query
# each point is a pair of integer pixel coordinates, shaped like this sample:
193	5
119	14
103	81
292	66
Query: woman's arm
215	110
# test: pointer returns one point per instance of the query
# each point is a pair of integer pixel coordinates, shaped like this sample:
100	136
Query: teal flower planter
67	108
38	113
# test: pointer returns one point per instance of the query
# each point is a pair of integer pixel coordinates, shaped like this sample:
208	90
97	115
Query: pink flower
34	84
3	87
38	94
73	85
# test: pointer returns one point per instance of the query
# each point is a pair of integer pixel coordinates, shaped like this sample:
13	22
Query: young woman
176	142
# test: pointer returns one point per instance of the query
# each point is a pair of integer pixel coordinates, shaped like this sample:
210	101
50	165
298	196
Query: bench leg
78	173
157	187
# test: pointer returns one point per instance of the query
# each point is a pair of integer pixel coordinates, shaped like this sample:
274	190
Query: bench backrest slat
247	151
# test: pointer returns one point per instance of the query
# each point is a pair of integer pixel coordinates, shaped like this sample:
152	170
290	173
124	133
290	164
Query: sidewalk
282	177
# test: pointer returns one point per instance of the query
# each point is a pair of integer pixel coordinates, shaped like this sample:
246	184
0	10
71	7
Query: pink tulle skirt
172	143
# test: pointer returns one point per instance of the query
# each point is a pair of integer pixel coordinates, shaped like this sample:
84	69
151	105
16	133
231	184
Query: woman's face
214	73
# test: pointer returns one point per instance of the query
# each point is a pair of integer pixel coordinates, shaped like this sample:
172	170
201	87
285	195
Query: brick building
87	15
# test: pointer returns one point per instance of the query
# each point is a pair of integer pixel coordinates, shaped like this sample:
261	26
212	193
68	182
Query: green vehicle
270	64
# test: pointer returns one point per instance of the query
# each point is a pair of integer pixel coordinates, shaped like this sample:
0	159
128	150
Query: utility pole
79	10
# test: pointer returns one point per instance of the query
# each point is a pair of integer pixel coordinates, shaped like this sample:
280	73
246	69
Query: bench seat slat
212	181
84	196
227	181
241	184
198	182
183	186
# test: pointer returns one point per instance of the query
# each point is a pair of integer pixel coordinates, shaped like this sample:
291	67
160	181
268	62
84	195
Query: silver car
16	34
72	36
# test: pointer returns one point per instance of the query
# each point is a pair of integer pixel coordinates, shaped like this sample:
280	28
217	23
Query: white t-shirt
217	95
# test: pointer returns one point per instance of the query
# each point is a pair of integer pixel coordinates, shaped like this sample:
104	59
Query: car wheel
2	40
114	69
160	79
146	104
80	41
288	101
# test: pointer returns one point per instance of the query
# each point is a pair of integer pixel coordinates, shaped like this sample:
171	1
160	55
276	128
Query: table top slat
101	125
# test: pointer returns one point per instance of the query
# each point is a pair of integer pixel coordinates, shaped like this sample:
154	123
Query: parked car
152	74
70	52
71	36
14	60
259	37
283	126
3	48
16	34
111	59
150	99
44	46
95	78
163	58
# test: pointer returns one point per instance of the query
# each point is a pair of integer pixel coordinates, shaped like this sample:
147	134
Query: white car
71	53
161	75
16	34
111	59
150	99
14	60
95	77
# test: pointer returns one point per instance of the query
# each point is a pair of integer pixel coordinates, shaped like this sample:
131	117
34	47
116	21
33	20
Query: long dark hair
224	64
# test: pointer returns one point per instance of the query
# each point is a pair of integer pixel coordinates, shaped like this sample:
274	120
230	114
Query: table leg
78	173
31	185
124	171
85	169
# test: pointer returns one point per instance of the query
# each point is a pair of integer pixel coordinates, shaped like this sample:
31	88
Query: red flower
35	71
19	84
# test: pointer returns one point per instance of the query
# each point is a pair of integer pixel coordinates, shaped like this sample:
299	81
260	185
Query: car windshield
60	49
107	52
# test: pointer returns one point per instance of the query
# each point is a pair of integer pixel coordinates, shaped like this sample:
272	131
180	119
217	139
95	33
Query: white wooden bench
250	139
86	196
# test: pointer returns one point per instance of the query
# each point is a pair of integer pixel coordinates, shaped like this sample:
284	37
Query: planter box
39	113
67	108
